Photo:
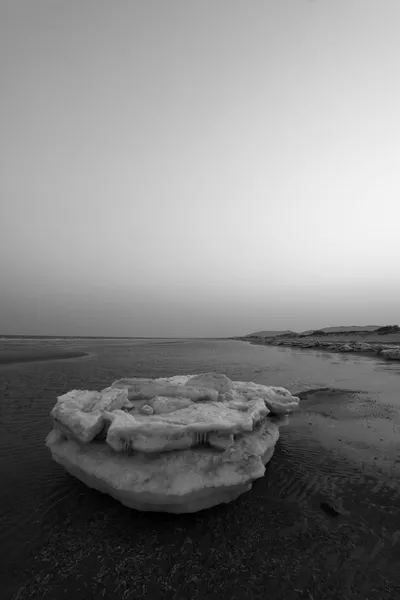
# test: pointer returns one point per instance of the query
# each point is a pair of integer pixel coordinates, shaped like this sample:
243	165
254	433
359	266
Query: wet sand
311	528
322	523
12	355
356	428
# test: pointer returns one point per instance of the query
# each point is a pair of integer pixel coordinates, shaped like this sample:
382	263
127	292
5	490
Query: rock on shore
393	353
178	444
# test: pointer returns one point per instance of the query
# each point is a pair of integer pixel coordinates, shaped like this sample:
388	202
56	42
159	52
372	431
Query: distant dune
272	333
339	330
343	329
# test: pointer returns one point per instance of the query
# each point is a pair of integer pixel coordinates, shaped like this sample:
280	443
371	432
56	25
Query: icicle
200	437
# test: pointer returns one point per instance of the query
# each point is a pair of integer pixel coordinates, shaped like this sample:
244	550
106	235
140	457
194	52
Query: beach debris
393	353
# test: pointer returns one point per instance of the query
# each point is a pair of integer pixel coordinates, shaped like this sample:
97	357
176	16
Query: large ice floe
176	444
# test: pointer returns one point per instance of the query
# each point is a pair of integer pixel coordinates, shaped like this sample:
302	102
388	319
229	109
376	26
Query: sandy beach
321	523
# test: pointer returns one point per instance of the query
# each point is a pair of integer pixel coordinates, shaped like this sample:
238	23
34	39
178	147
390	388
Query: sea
323	522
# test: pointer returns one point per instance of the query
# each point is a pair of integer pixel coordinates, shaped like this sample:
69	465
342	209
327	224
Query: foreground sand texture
178	444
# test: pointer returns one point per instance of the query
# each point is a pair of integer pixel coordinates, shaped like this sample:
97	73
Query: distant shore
8	357
367	345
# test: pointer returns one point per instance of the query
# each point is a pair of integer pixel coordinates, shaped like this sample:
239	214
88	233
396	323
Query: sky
198	167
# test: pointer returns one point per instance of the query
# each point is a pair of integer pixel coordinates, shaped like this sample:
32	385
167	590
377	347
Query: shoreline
375	351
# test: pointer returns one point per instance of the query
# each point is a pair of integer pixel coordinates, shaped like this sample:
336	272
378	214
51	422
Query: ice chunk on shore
278	399
143	390
177	444
212	381
80	413
393	353
181	428
175	482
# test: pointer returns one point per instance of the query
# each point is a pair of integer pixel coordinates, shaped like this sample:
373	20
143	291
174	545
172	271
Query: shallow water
342	445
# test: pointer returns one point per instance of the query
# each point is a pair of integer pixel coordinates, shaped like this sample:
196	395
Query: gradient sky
198	167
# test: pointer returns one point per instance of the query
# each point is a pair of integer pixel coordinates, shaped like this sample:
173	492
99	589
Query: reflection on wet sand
8	357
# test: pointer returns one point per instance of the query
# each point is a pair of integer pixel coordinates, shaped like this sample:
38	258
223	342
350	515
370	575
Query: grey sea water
62	540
